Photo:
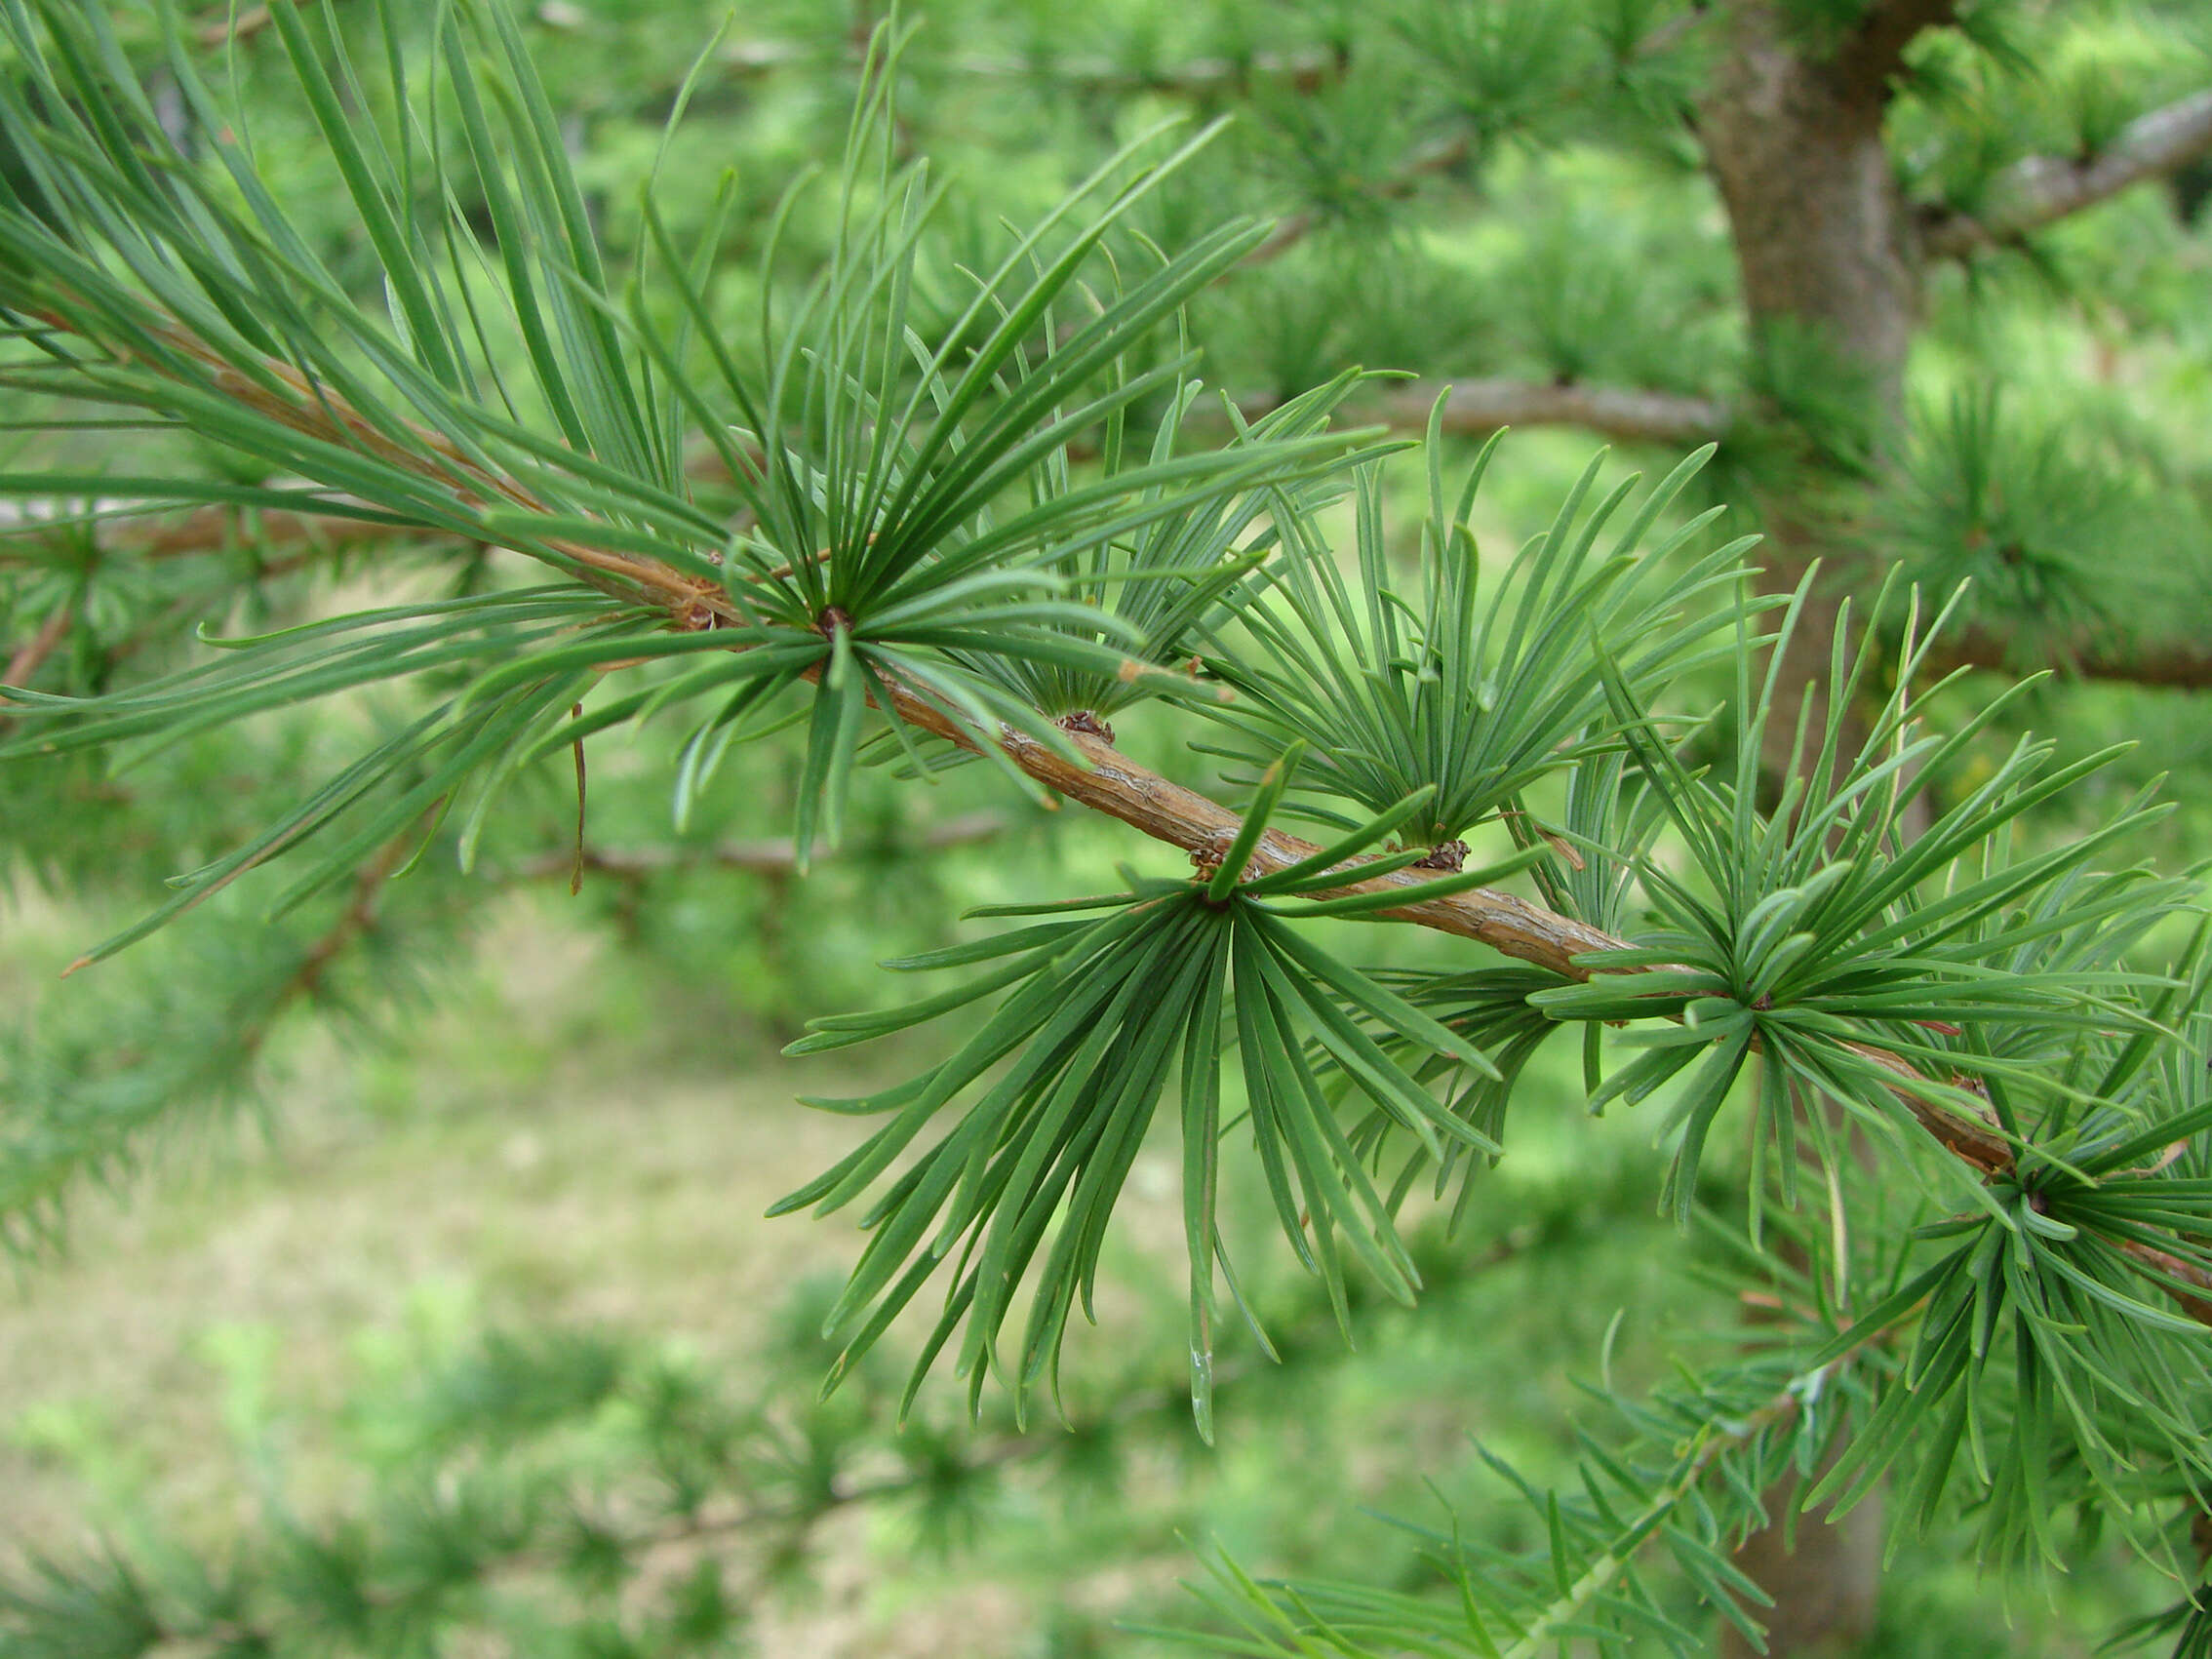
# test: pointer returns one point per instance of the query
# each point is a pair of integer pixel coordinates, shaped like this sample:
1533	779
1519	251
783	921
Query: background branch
2041	190
1472	407
245	25
127	526
1424	163
2173	665
1302	72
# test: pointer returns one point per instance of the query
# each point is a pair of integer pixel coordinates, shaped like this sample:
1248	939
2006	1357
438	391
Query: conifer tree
995	479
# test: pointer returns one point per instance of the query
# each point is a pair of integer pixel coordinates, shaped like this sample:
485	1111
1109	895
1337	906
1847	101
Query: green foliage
2026	516
1096	1015
1477	703
229	323
917	468
1825	935
1690	1477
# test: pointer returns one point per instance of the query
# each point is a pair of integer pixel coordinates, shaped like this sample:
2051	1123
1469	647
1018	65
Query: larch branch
2041	190
1102	777
38	523
33	653
1445	154
1424	163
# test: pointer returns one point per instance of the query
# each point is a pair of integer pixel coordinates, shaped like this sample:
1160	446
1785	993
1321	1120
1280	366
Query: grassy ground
564	1142
536	1155
512	1165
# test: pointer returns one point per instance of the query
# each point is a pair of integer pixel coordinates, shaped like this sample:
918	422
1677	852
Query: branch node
1084	721
1447	856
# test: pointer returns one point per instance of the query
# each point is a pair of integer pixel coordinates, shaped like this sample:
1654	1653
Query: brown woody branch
2174	665
2041	190
1874	52
354	922
1113	784
1301	71
1475	406
1102	778
2196	1302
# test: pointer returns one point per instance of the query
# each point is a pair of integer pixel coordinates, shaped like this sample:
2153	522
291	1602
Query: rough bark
1824	246
1822	237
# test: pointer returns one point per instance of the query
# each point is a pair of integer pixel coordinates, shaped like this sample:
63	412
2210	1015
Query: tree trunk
1793	139
1825	249
1824	1588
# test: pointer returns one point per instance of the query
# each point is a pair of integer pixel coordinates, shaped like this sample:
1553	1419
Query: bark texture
1825	247
1822	237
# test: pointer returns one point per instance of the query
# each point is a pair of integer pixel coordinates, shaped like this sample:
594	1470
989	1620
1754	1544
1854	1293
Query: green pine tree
411	401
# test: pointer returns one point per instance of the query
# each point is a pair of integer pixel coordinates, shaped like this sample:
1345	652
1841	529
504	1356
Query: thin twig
127	526
1546	1629
1423	164
354	922
1102	778
224	30
1302	72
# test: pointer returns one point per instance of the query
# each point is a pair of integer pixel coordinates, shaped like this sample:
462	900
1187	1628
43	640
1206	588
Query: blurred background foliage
463	1313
